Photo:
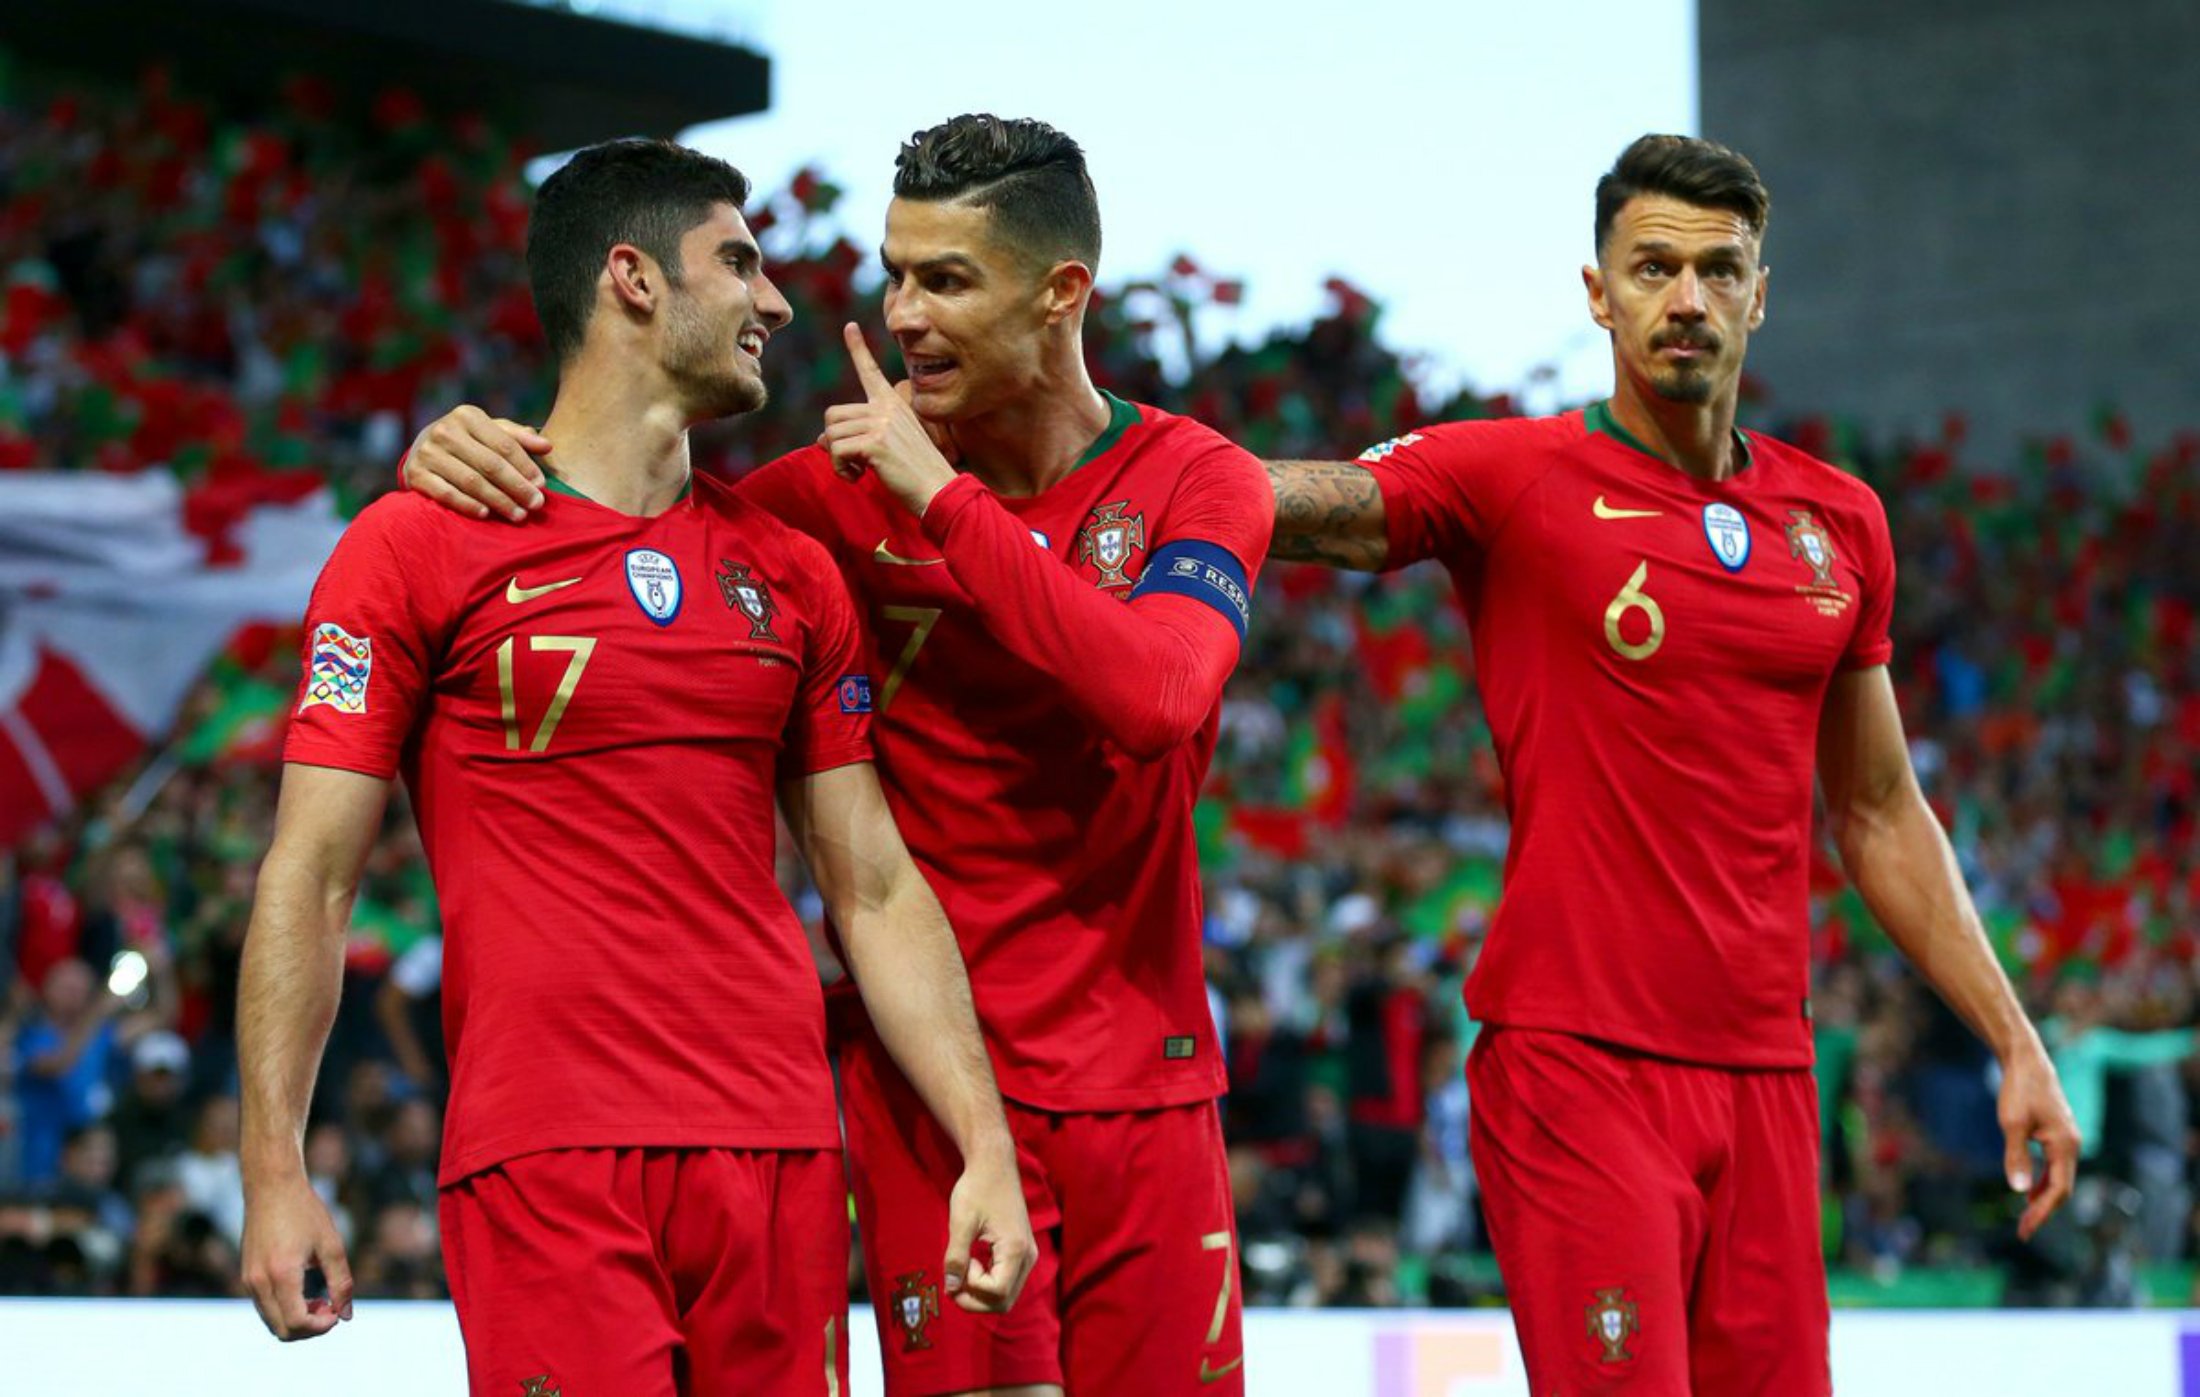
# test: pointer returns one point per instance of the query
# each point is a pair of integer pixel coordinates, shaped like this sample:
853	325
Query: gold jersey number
1632	598
578	649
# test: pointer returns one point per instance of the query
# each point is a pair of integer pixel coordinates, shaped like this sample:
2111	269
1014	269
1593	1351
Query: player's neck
617	445
1023	448
1694	438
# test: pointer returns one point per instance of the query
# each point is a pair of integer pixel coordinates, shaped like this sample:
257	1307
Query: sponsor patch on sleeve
338	670
1384	448
855	693
1205	572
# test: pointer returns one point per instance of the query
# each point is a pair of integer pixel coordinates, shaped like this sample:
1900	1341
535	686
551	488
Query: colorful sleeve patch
1205	572
855	693
339	667
1382	449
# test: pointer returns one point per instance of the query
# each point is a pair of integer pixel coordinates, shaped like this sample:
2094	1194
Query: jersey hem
1620	1036
1120	1100
633	1137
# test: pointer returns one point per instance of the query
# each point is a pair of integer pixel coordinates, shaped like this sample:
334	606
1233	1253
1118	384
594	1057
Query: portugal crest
1612	1322
1808	541
916	1305
749	596
1109	539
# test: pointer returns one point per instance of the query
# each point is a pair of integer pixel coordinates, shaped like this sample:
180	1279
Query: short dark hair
645	192
1686	168
1030	176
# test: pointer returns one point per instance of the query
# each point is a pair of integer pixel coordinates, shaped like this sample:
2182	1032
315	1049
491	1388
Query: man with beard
1674	624
641	1182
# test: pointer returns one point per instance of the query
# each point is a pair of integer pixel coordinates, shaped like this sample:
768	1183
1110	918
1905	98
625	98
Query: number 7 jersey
593	712
1653	654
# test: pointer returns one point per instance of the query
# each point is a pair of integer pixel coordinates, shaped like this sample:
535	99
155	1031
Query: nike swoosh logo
1605	511
1207	1374
515	594
886	555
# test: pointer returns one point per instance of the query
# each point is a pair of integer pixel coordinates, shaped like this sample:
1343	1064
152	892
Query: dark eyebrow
1660	248
946	261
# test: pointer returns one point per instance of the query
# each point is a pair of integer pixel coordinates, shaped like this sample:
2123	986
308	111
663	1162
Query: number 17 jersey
1653	653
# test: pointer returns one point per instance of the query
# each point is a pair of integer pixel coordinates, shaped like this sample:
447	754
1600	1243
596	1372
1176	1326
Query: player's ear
1757	307
634	277
1600	305
1065	290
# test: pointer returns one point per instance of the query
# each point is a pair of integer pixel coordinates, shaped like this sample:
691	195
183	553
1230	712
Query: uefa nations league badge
655	583
1728	533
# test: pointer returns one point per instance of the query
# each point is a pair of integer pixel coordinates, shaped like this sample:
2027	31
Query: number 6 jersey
592	712
1653	653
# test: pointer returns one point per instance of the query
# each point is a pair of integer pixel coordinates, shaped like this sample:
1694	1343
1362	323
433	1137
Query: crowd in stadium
266	308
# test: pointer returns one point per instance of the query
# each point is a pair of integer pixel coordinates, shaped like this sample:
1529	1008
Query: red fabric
1687	1196
1128	1207
651	1273
85	737
1167	656
1068	866
622	968
1656	890
52	927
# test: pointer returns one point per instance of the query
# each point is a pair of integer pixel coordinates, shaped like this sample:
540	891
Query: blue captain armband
1205	572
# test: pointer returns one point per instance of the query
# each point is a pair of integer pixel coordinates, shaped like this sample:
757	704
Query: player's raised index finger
868	373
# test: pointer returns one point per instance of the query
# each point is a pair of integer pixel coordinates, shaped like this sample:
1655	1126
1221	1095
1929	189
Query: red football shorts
1136	1286
1656	1222
652	1272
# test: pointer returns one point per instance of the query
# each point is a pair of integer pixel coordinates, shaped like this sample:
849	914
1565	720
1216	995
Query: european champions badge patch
655	583
1727	532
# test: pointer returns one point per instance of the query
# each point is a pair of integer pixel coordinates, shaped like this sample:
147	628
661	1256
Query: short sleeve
830	724
1446	488
368	654
1870	644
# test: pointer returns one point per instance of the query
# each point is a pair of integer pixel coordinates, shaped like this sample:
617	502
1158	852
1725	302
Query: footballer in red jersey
641	1180
1676	625
1053	624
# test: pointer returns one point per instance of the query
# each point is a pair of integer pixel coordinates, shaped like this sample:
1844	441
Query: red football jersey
1067	866
593	712
1653	653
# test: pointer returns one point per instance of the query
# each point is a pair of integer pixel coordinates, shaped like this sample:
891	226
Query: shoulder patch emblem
1109	539
1384	448
338	670
749	596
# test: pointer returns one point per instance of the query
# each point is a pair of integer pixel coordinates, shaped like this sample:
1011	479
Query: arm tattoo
1327	512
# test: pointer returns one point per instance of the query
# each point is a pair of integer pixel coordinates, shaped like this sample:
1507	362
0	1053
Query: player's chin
1686	384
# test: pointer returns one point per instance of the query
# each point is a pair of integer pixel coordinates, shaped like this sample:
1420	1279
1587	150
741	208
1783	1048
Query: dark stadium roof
546	75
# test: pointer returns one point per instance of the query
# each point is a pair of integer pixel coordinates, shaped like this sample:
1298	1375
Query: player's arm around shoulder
1893	848
326	820
910	972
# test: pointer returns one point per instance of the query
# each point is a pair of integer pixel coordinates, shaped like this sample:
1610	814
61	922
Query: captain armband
1205	572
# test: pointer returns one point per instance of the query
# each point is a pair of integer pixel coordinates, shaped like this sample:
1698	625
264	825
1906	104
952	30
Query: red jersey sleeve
1173	646
1447	488
1870	644
786	489
371	634
830	724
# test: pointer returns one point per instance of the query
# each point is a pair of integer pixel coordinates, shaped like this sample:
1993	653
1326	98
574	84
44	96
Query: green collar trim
1598	418
553	485
1121	418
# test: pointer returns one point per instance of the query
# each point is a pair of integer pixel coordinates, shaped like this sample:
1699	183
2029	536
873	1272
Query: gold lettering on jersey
1632	598
1221	1242
1604	511
579	648
1807	540
924	618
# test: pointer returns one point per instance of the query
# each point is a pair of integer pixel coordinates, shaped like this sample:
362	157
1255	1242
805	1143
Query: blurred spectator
208	1174
152	1119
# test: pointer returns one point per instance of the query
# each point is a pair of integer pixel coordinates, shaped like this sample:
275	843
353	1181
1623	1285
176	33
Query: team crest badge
1727	532
655	583
1109	539
538	1387
916	1305
1807	540
1612	1322
749	596
338	670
